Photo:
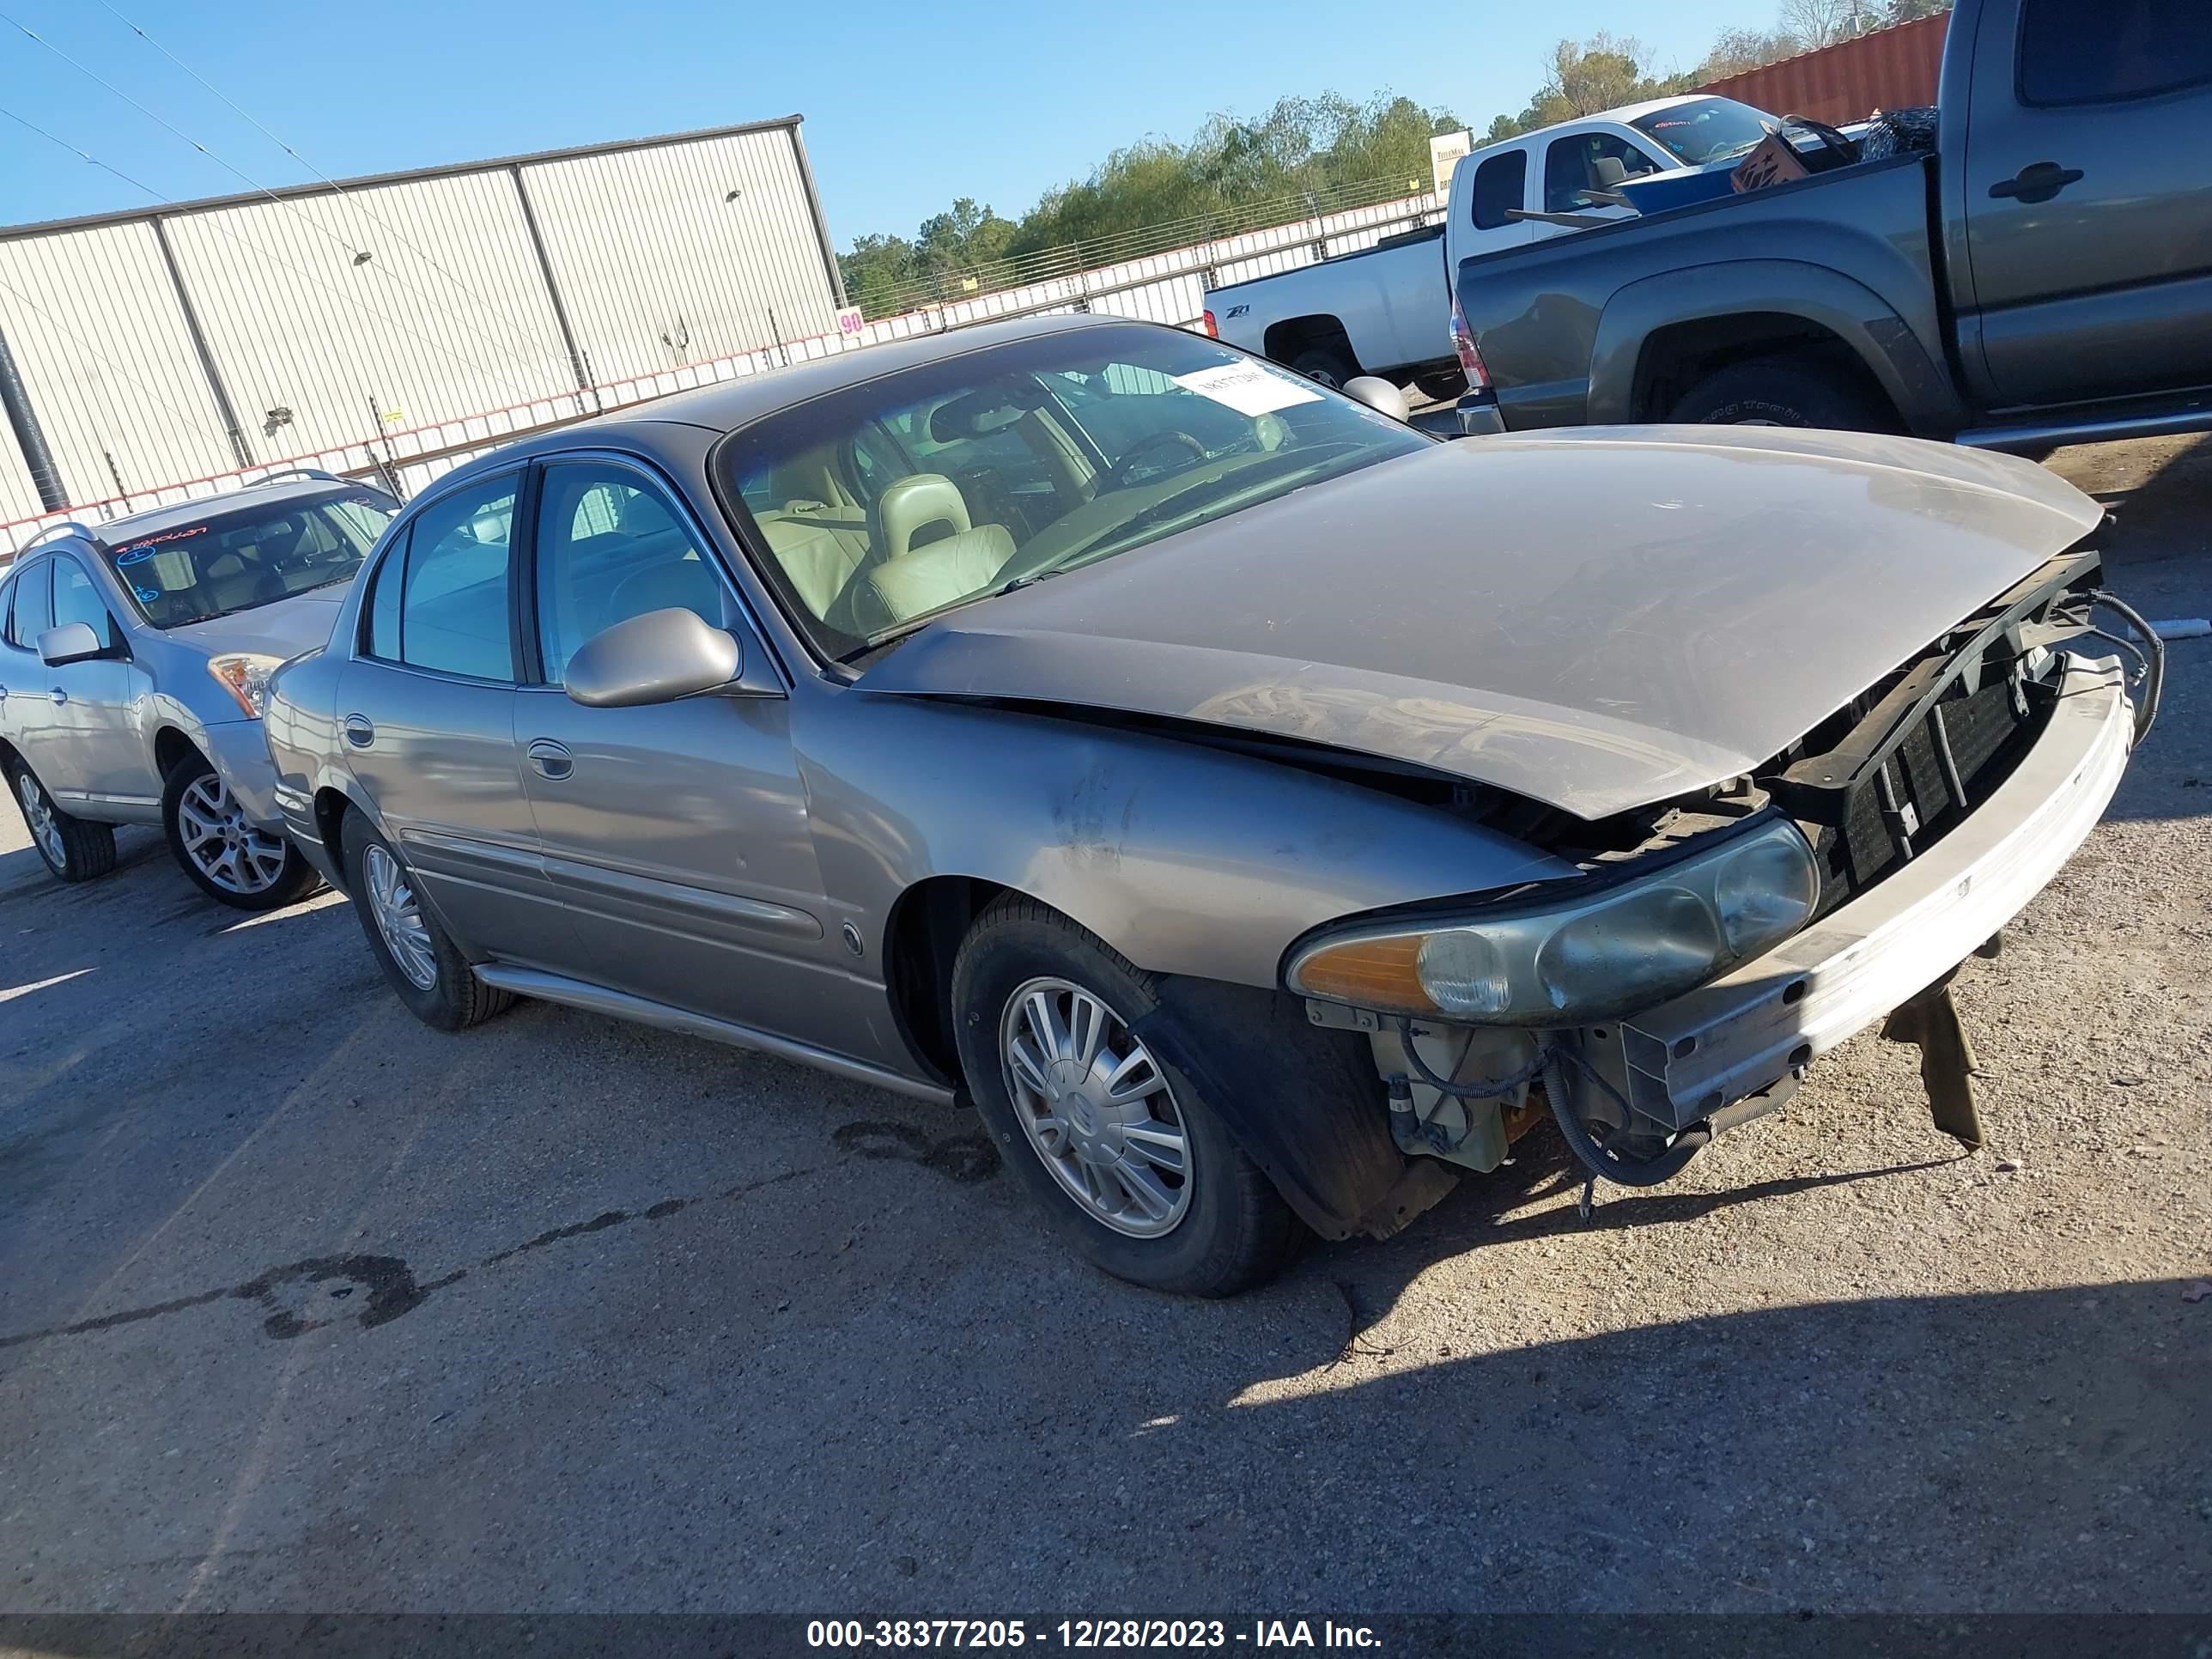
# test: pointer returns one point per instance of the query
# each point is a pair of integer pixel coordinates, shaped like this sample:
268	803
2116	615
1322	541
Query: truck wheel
1774	392
1326	366
75	849
1444	385
1129	1163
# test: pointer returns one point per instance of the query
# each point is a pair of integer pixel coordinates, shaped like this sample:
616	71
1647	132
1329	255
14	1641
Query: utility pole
30	438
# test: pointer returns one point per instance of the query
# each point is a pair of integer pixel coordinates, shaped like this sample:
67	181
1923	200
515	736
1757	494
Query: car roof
276	493
729	405
1625	113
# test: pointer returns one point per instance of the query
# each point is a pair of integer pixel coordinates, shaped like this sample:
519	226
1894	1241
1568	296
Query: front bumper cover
1685	1060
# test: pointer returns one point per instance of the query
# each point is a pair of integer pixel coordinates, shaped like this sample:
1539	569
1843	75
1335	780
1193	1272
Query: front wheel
225	856
75	849
1129	1163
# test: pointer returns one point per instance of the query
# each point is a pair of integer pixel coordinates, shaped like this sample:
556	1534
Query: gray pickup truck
2045	277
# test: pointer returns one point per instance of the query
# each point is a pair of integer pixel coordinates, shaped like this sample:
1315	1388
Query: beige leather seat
924	502
937	575
818	536
935	551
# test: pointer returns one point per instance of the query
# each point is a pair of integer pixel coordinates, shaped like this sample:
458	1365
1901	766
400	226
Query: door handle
552	759
59	696
358	732
2038	182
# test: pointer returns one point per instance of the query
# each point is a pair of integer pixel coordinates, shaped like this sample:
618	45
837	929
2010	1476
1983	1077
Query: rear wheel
1777	392
1129	1163
419	963
225	856
1329	366
75	849
1443	385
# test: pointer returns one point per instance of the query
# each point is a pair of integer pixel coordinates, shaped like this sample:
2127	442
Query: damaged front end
1683	982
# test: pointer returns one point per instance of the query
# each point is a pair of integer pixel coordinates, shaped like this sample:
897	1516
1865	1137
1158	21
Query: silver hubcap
221	845
399	917
1096	1108
40	819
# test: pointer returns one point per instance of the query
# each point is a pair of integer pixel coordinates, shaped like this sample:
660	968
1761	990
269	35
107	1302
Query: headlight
245	675
1570	960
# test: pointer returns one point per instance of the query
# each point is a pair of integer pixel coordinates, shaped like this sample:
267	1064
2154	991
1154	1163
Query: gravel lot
305	1306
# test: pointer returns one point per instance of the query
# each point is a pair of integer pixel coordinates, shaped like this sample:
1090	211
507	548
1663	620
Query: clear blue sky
906	104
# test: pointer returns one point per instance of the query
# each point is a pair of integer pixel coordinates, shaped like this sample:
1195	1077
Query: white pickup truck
1386	310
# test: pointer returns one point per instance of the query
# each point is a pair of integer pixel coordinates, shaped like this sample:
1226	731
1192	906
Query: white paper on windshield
1248	388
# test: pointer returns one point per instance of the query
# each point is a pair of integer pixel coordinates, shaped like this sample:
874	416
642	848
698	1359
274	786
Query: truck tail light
1470	360
1212	332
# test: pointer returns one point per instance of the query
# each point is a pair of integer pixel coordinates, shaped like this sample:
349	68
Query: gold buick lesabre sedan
1255	808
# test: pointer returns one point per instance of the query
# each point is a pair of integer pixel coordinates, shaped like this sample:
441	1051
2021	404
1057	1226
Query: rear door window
453	599
1501	186
2073	53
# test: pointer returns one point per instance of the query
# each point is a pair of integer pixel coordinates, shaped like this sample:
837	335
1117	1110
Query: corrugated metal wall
626	309
1890	69
343	325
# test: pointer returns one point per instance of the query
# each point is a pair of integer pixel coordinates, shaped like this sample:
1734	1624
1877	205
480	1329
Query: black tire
294	882
1443	386
86	849
1235	1232
1779	391
1330	366
455	999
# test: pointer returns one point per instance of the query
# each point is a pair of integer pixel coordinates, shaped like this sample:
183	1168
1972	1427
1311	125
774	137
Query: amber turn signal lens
1368	973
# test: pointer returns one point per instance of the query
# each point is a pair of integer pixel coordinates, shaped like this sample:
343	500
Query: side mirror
1378	394
660	657
70	642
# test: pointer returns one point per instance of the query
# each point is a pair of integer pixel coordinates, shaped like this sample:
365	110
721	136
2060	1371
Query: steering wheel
1117	476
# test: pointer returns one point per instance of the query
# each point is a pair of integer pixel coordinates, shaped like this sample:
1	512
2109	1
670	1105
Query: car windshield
247	556
1706	129
891	500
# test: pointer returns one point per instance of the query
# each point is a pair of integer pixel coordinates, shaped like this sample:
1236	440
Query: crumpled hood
1596	619
282	629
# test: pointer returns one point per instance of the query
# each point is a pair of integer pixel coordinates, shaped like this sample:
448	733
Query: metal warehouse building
378	320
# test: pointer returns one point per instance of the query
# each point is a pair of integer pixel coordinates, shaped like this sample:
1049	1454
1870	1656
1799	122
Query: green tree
1230	166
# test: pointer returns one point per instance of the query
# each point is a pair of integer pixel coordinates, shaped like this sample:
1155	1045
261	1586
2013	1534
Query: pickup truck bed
1697	285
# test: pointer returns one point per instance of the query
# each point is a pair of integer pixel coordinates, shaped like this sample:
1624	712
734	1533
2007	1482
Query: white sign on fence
1444	152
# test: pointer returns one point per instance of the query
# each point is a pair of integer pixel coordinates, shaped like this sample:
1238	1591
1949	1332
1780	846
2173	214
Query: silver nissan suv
134	663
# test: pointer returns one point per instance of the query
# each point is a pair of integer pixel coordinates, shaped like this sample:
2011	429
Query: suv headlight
1570	959
245	675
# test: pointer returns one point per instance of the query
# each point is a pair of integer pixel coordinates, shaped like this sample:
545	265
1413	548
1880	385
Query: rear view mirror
979	414
660	657
70	642
1378	394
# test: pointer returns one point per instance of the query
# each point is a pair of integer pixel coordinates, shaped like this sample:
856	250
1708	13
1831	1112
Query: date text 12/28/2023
1087	1634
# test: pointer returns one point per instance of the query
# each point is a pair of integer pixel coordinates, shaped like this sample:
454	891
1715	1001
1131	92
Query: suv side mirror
661	656
1378	394
71	643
